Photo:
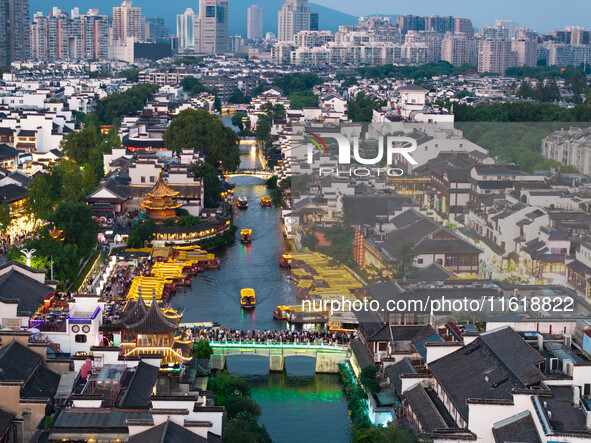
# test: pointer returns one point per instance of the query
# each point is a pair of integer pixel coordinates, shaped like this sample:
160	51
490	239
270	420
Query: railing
283	345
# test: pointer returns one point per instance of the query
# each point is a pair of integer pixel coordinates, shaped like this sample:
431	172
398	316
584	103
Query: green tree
340	236
202	349
192	86
211	183
244	429
131	75
262	132
237	96
403	261
79	145
5	217
367	433
115	106
239	404
75	219
198	128
368	379
362	107
142	232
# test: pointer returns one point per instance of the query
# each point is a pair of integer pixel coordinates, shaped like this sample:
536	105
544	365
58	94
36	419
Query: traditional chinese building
149	330
160	202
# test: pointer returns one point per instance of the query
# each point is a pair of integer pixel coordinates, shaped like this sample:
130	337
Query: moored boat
285	261
247	298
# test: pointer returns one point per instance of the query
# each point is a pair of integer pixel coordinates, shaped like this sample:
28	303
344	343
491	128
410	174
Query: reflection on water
297	405
214	295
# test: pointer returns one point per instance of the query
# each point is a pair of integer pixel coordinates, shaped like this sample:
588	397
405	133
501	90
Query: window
383	346
587	389
143	179
75	328
210	11
86	329
152	179
420	261
221	14
80	338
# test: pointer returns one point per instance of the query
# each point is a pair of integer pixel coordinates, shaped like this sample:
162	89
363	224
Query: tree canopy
115	106
198	128
211	182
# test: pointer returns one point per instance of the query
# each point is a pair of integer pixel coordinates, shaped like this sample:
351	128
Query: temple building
160	202
149	330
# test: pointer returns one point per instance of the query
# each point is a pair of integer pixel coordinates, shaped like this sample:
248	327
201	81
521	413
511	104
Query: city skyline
525	12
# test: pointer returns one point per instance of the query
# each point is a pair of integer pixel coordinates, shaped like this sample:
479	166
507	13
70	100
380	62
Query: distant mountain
329	19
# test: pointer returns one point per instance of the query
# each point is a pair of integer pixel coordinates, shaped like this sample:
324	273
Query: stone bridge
260	173
327	356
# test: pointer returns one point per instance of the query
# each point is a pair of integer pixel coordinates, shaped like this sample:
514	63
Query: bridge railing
281	344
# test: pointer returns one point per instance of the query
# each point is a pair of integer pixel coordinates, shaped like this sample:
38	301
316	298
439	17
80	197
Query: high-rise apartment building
526	52
495	55
410	23
459	49
211	27
441	25
254	22
293	17
185	28
59	36
431	39
127	21
494	32
15	31
463	26
511	25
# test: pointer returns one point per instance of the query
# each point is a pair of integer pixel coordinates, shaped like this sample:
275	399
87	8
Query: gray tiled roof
167	432
141	387
518	428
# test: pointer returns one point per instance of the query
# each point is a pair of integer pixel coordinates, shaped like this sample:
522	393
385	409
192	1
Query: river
297	405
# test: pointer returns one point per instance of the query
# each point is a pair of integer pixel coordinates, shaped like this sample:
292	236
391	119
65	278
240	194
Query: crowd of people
222	334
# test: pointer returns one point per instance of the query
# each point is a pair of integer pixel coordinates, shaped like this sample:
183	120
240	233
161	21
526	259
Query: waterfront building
127	21
148	330
211	27
254	22
160	202
185	29
293	17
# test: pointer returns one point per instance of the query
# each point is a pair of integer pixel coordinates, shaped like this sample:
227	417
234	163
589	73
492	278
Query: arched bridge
327	356
259	173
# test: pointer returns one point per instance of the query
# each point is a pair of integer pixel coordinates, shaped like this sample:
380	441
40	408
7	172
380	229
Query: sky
541	15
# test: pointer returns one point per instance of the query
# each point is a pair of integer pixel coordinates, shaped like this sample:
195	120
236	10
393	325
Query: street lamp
28	253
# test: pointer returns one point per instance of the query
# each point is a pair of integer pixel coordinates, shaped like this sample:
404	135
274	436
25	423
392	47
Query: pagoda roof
134	313
161	189
153	322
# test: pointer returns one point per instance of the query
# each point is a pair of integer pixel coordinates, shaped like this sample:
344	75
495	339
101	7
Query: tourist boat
246	235
242	202
285	261
266	201
247	298
282	312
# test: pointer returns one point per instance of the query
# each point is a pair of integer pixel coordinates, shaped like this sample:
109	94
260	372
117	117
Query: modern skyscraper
254	22
154	28
127	21
185	28
495	55
293	18
211	28
526	52
15	31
